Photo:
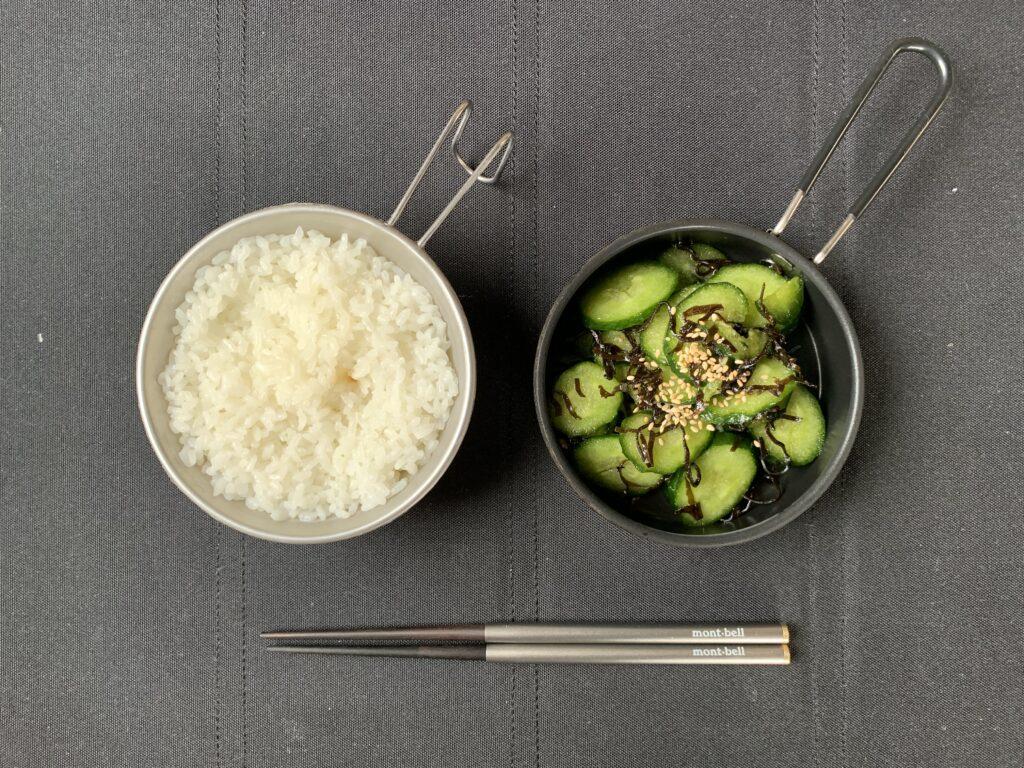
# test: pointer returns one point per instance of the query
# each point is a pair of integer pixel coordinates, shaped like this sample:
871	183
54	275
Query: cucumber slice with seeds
652	337
783	298
751	278
801	430
676	351
722	300
727	468
739	344
583	400
602	462
727	337
669	449
627	296
770	384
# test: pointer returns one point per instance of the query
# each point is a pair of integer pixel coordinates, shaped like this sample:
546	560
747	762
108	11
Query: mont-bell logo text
721	650
718	633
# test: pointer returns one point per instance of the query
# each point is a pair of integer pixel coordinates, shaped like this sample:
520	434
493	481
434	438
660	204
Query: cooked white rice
310	378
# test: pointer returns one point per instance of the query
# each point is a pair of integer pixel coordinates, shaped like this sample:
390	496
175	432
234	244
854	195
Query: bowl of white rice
305	373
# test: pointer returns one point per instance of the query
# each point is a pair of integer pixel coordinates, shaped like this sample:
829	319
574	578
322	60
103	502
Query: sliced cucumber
737	343
751	279
681	260
616	343
801	430
622	370
711	301
628	295
652	337
583	400
785	304
719	308
711	389
602	462
682	293
708	253
727	468
694	263
669	449
582	347
674	352
770	384
616	339
638	482
783	298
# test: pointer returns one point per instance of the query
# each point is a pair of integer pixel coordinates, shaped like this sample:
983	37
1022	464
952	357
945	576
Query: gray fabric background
129	621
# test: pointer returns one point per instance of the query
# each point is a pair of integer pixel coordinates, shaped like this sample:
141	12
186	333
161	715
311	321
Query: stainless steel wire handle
454	128
945	72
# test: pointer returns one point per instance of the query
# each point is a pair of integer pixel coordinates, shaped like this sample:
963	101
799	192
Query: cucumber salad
684	382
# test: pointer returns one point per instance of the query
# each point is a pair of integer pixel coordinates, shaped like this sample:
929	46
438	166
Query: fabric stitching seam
217	533
510	518
815	129
244	78
844	538
536	282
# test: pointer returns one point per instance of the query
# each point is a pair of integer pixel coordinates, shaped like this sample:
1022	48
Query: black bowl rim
794	508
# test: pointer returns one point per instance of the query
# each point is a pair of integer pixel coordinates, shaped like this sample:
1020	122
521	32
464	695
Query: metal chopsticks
740	634
566	653
561	643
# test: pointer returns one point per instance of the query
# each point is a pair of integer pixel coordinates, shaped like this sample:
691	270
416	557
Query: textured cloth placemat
129	620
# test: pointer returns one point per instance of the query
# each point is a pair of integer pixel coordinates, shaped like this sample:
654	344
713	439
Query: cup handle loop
456	124
945	76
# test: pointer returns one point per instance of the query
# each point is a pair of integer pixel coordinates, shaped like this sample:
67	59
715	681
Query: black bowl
826	347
